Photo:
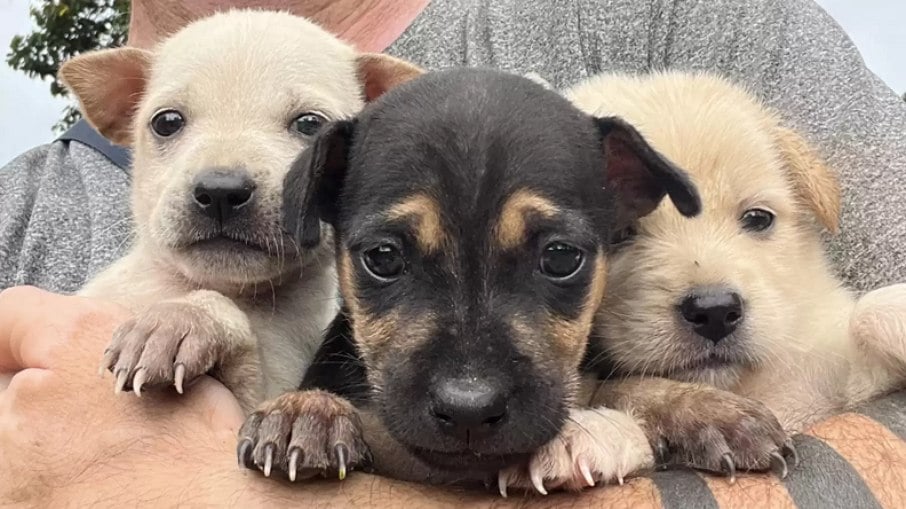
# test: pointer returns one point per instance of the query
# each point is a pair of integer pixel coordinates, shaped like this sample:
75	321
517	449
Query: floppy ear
639	175
109	85
815	184
379	73
311	189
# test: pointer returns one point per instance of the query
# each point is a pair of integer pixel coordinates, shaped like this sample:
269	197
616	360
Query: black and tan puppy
472	212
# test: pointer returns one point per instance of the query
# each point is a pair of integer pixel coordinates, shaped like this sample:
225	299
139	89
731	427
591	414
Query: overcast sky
27	111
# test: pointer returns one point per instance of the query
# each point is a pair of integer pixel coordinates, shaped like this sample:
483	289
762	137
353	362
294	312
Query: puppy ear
109	85
311	189
815	184
539	80
639	175
379	73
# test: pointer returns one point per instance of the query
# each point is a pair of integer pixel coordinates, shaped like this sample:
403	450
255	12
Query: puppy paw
595	445
721	432
303	434
172	343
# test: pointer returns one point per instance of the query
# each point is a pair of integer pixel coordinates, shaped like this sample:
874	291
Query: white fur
240	78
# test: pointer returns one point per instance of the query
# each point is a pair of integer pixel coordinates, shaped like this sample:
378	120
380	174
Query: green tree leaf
63	29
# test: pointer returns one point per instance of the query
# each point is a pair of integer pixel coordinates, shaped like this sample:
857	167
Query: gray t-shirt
63	206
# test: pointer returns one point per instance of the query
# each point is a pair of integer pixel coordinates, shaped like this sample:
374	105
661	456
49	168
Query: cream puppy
215	115
742	297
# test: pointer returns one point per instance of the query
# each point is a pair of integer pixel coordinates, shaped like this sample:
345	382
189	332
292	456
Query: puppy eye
757	220
308	124
166	123
623	236
384	262
560	261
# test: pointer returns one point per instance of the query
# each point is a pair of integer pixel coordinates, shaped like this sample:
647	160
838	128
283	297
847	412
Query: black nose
467	408
221	192
713	313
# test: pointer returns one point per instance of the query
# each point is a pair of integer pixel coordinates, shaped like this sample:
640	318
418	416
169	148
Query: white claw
120	381
586	472
501	483
268	462
138	381
620	479
537	481
293	463
179	376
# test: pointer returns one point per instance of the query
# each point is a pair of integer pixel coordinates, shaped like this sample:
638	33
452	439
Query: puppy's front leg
878	328
175	341
595	445
701	426
304	433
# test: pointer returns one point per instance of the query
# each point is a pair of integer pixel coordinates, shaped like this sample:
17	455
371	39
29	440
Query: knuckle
27	382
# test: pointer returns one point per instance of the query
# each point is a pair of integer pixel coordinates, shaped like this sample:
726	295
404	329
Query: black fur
337	367
469	139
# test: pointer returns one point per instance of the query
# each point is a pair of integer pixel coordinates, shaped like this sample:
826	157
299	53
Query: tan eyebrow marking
510	229
424	212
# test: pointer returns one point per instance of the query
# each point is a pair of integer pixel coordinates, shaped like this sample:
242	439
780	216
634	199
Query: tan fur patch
570	336
346	276
815	184
374	334
424	213
109	84
510	229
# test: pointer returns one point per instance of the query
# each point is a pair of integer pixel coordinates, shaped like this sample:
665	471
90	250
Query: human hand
64	435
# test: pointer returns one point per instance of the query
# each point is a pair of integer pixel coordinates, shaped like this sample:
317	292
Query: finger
216	404
28	380
24	312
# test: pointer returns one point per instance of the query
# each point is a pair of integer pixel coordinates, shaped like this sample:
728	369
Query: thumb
216	404
35	322
22	309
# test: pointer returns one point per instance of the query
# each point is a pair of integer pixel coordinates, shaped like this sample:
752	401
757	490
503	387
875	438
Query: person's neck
368	25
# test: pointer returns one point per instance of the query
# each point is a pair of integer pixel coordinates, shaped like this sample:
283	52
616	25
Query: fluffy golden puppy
741	297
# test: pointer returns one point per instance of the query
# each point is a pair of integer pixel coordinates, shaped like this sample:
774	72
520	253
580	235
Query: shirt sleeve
63	216
19	181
